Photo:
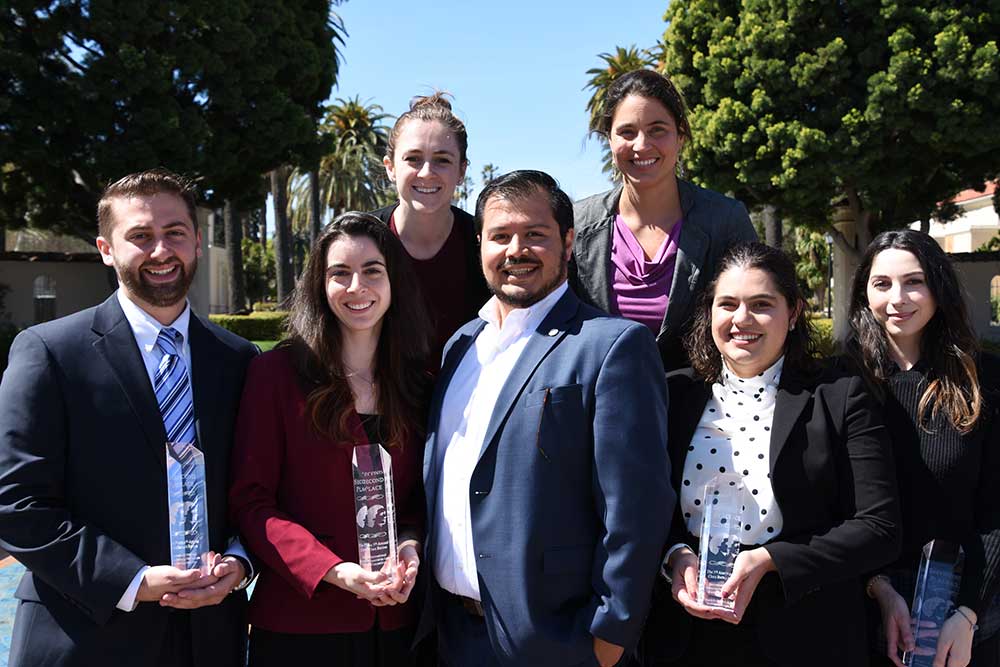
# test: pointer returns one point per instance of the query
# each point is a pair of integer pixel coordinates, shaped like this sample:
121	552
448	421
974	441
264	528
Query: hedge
823	331
256	326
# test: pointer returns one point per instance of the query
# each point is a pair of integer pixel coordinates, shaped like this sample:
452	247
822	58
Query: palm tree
462	191
621	62
350	175
489	172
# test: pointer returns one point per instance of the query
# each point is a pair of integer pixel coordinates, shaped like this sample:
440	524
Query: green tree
463	191
258	267
622	61
490	171
92	90
350	175
875	110
812	263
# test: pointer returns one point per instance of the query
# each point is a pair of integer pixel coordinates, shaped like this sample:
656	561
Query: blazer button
480	493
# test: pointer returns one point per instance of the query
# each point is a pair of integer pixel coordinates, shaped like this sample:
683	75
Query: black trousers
374	648
721	644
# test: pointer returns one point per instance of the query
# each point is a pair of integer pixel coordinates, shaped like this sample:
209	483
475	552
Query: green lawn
265	345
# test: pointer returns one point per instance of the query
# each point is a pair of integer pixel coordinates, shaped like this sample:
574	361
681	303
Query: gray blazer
712	223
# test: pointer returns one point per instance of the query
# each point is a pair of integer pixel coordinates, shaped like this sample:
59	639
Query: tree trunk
262	228
3	238
245	225
285	277
925	224
234	257
772	226
315	216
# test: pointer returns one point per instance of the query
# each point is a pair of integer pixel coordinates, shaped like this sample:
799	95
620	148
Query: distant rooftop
41	241
968	195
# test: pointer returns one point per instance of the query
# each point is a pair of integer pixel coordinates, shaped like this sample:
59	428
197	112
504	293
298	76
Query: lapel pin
553	332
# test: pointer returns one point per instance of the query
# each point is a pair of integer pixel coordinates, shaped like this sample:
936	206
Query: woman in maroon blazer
350	373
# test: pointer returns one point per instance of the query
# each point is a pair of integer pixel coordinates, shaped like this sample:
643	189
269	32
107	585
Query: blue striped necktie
173	389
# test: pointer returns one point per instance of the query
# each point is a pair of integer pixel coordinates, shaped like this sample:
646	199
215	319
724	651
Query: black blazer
83	501
833	477
712	223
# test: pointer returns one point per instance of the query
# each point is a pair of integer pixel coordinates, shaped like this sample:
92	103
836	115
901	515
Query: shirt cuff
664	570
127	602
235	548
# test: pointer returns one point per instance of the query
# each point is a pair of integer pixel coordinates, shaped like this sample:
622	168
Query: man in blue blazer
546	465
83	476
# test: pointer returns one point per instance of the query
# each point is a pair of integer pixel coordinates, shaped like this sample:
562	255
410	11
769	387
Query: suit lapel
452	359
791	400
116	345
548	334
685	415
206	378
692	247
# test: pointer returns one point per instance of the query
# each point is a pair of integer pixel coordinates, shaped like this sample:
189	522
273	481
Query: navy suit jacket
83	488
570	499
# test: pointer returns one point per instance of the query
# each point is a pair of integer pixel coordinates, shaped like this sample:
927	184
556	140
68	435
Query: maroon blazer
293	500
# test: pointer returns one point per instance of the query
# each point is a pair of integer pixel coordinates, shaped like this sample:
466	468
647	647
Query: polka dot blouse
734	436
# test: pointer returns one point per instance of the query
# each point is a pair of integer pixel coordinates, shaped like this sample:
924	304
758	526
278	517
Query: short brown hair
144	183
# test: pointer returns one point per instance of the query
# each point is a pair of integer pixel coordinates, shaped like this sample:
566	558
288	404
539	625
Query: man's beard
525	299
161	296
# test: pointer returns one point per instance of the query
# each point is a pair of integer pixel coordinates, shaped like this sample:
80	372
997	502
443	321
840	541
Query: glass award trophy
374	504
934	597
187	507
719	546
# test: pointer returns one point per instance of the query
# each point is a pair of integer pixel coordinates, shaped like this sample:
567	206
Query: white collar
520	320
146	328
768	378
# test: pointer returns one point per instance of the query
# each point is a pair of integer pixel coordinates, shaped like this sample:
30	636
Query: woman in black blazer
821	505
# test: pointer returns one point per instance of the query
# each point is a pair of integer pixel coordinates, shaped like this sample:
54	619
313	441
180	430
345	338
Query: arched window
995	301
45	298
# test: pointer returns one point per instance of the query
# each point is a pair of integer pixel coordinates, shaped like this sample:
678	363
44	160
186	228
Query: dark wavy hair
523	184
644	83
948	344
401	375
800	346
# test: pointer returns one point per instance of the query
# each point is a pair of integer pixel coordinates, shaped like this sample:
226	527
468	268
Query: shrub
823	333
256	326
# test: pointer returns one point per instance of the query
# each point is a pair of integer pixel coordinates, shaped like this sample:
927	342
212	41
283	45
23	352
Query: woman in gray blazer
645	249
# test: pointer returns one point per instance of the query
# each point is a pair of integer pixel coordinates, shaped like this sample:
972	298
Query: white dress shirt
146	329
466	411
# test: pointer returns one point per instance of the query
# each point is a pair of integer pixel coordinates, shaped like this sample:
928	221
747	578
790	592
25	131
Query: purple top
640	288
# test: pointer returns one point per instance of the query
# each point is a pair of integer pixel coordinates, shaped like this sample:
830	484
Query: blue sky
516	68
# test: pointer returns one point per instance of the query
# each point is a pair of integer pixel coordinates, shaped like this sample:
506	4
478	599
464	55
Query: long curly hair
949	346
401	371
800	346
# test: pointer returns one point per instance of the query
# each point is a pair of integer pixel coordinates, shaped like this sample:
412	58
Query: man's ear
568	244
104	247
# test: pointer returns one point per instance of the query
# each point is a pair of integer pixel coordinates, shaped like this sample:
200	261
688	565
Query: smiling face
898	295
524	257
750	320
644	140
426	166
154	249
357	284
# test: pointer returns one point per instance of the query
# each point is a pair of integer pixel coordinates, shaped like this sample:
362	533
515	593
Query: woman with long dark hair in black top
913	342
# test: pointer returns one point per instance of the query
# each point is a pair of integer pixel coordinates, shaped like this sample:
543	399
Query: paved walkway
10	574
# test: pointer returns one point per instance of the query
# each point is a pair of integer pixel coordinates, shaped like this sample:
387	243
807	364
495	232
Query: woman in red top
352	372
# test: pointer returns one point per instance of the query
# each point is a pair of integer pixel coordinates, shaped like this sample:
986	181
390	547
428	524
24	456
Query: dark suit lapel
116	345
791	400
206	378
692	248
685	414
548	334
